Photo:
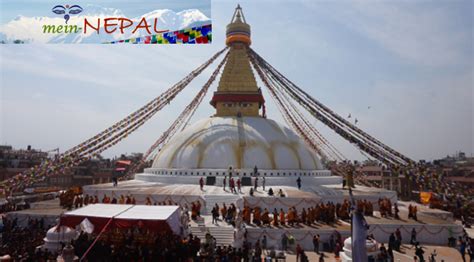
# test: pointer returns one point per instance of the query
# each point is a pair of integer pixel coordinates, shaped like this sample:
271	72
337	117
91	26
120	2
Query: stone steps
224	235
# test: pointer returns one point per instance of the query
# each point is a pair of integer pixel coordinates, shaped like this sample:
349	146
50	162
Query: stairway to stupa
223	232
212	200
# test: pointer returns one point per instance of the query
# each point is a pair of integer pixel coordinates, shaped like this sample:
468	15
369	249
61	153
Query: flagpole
352	222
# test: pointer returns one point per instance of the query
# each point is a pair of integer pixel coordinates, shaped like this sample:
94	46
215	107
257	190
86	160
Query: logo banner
106	22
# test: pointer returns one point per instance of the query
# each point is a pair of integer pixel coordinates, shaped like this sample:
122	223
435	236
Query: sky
10	9
411	62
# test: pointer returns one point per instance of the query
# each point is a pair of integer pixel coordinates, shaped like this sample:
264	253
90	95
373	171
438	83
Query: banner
194	35
103	21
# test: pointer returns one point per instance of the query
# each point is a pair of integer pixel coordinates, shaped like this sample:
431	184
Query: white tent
155	218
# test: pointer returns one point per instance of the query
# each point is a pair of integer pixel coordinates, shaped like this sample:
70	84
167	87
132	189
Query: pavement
422	219
443	253
448	254
143	187
51	208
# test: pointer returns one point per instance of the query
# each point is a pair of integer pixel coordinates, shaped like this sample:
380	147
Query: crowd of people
132	244
327	213
123	245
228	213
235	185
323	212
20	243
137	244
385	207
421	176
464	245
366	207
12	206
211	251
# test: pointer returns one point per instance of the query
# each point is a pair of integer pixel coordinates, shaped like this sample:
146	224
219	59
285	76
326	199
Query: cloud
420	33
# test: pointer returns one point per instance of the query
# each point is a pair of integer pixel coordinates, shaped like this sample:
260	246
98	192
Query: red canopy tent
154	218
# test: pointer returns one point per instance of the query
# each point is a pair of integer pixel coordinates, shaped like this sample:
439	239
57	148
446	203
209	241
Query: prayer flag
425	197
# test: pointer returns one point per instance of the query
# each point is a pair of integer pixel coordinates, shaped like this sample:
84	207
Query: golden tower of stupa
238	93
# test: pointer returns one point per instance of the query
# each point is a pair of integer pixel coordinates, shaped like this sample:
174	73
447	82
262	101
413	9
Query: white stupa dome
241	143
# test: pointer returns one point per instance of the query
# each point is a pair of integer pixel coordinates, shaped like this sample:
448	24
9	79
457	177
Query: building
95	171
14	161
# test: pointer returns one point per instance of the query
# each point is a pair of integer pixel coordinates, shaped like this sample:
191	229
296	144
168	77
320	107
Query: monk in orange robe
275	217
282	217
295	215
266	217
303	215
256	216
246	214
291	217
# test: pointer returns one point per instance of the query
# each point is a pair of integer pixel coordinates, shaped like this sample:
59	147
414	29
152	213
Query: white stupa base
55	238
270	181
370	245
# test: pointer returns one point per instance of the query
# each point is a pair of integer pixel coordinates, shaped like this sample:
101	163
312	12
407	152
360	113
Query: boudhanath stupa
239	141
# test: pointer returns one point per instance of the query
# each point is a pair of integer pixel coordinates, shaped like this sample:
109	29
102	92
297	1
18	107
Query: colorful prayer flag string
194	35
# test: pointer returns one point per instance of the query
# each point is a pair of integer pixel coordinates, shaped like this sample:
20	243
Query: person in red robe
201	183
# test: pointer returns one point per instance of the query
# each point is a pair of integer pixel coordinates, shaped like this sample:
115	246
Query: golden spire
238	93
